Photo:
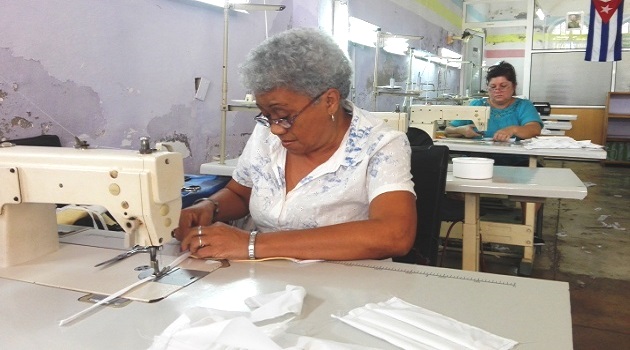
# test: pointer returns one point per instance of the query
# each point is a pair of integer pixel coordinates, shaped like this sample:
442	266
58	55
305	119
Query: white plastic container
473	168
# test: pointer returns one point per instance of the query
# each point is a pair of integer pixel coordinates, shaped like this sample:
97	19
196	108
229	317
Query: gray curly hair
303	60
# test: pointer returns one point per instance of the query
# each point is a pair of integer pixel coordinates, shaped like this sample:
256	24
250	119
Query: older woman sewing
321	178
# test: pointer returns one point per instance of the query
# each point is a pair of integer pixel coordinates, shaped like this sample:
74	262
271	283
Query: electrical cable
444	245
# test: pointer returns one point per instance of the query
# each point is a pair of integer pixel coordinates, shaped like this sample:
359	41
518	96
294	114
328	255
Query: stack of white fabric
412	327
558	142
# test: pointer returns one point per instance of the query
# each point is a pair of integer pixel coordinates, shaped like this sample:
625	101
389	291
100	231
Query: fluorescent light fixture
242	5
397	46
362	32
255	7
444	52
424	56
451	58
397	43
218	3
540	14
447	57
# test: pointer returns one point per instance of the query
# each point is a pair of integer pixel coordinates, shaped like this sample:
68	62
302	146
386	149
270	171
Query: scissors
136	249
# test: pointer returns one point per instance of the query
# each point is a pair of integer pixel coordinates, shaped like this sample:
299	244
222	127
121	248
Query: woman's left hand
217	241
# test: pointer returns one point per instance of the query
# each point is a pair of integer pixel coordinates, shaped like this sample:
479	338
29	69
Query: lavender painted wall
112	71
397	20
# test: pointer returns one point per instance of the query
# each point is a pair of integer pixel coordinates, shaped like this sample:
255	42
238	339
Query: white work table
481	146
523	181
536	313
517	182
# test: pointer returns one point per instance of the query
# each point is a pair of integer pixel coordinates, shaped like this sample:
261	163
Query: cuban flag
604	31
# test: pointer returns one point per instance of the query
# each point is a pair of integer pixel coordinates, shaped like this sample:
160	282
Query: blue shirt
518	113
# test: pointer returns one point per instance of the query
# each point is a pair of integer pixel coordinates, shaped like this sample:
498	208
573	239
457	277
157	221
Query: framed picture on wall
574	20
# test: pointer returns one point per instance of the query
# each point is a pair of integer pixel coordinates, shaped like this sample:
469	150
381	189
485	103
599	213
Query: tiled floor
587	243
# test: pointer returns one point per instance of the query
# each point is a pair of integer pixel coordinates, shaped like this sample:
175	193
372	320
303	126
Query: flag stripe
604	39
619	23
591	33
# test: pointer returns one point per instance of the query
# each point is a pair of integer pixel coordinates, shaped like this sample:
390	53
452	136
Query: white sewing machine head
141	190
427	117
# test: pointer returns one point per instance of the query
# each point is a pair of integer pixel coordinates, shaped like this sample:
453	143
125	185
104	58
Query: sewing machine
427	117
396	120
140	189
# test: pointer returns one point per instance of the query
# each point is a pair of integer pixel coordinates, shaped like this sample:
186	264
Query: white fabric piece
206	328
412	327
563	142
268	306
93	211
235	333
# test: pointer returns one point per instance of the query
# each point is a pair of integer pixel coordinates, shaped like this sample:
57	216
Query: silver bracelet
251	248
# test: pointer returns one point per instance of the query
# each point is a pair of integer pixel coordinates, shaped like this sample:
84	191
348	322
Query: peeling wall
110	72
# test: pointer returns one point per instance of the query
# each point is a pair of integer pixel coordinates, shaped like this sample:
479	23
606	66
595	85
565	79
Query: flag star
606	9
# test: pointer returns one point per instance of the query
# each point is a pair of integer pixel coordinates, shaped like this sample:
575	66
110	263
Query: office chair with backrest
428	168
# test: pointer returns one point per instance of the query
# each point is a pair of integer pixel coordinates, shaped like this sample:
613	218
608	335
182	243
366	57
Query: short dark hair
501	69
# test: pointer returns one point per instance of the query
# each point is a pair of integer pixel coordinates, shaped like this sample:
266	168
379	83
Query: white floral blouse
372	159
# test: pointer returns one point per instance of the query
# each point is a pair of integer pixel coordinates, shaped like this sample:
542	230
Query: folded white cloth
412	327
558	142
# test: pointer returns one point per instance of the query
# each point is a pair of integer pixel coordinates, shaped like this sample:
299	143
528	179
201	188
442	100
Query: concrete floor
586	243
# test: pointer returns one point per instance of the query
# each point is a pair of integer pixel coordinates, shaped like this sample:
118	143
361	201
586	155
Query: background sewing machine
396	120
140	189
431	117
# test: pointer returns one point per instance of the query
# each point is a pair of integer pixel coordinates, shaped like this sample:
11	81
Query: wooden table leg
470	232
527	263
533	161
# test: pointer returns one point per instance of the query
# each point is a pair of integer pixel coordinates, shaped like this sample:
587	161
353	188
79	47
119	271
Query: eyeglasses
499	87
288	121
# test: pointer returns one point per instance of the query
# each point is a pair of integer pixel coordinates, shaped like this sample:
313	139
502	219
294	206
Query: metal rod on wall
224	87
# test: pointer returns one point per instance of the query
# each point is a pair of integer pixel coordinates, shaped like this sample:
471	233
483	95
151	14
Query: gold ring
199	234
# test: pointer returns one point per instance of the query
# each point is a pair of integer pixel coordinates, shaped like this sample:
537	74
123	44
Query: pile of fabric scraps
559	142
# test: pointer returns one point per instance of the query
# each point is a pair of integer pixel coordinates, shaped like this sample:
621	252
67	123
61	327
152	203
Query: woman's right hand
200	214
469	131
